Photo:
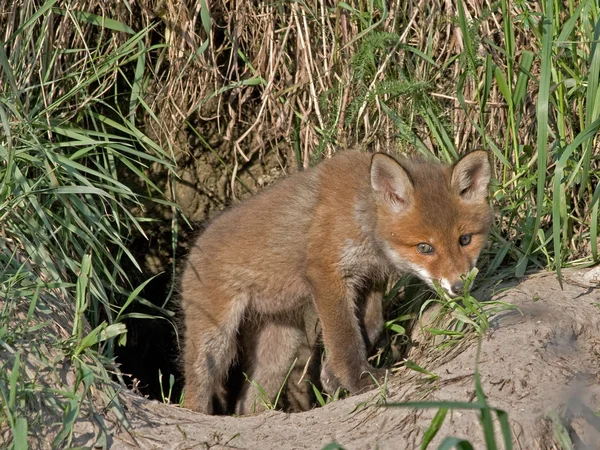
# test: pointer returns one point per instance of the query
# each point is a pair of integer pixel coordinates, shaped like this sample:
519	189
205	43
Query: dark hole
152	346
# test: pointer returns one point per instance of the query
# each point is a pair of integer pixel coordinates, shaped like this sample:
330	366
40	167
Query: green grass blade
39	12
333	446
592	100
433	429
486	414
205	17
20	434
8	73
281	388
558	200
136	292
66	432
505	428
594	223
405	130
455	443
413	366
503	87
542	112
442	137
569	25
466	35
509	36
93	19
14	377
318	395
559	431
438	405
487	84
136	86
524	76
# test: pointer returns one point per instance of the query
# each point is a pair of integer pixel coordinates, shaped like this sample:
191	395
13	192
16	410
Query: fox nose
458	287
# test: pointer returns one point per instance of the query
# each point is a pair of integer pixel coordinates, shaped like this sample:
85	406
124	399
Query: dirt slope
546	359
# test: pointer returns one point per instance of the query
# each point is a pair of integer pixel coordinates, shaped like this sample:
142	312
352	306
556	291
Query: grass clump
70	147
518	79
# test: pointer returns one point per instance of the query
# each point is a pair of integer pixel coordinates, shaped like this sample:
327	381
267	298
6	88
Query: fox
323	242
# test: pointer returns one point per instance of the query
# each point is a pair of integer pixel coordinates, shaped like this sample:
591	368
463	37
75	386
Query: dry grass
284	83
279	71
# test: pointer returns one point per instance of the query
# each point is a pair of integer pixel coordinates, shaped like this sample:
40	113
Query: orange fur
325	238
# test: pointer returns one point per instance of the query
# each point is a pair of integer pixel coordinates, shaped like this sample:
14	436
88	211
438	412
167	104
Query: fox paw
367	379
371	378
329	382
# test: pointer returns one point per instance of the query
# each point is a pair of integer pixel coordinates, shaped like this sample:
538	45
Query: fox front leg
346	364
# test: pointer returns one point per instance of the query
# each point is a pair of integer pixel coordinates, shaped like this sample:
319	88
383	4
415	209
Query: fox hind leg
299	395
269	351
209	351
371	319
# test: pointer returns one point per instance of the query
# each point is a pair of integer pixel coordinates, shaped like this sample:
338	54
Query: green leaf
524	74
14	376
486	414
20	434
466	35
93	19
560	433
134	295
333	446
455	443
569	25
66	433
505	428
542	124
433	429
99	334
318	395
587	134
503	86
39	12
414	366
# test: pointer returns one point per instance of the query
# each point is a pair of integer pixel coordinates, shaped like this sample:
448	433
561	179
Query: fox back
323	241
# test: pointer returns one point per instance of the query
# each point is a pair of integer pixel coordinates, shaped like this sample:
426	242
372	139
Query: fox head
432	219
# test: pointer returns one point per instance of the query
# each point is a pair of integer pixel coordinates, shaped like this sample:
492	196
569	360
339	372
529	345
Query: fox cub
325	238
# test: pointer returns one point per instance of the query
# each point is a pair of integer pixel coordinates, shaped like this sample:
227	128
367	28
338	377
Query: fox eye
424	248
465	239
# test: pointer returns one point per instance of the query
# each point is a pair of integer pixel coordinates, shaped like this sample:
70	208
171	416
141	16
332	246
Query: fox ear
471	176
391	182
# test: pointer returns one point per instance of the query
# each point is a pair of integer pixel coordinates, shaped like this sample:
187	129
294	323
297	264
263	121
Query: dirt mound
539	359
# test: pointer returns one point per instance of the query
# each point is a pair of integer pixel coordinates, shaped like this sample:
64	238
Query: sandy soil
544	358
